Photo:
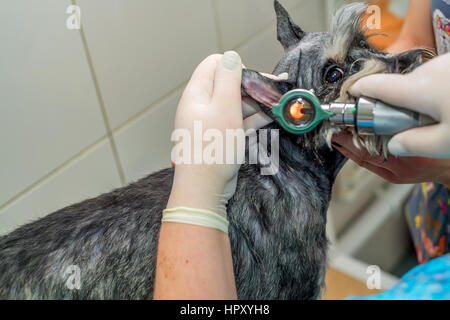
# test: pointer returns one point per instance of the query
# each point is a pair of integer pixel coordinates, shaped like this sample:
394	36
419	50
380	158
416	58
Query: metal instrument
300	111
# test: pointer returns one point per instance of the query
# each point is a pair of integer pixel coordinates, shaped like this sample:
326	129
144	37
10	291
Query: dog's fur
277	223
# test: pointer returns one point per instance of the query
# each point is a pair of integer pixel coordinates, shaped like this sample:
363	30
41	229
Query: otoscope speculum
299	111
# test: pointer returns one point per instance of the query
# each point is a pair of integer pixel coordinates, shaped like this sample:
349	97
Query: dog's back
111	240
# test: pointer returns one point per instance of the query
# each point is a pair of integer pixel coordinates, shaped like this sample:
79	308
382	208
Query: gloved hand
194	257
213	99
425	90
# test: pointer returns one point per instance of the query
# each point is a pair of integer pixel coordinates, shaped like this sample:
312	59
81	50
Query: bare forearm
445	180
193	263
417	29
405	44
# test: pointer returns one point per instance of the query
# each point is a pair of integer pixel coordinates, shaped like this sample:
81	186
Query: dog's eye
333	74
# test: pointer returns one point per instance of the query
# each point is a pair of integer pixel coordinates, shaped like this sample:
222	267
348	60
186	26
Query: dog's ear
288	33
262	89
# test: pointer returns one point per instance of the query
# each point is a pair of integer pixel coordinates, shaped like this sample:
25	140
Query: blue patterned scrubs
430	281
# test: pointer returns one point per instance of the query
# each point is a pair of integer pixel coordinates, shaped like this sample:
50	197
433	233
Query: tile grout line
150	107
102	106
55	171
184	83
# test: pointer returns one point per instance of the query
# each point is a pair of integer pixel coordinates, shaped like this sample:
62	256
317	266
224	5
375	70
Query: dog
277	222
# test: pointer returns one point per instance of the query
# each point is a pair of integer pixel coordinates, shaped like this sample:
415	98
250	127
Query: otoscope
300	111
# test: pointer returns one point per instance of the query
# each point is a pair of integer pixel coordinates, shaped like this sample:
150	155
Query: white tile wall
310	15
142	49
48	106
56	149
240	19
87	176
144	145
263	51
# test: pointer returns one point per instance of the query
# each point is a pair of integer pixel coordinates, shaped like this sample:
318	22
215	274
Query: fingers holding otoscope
425	90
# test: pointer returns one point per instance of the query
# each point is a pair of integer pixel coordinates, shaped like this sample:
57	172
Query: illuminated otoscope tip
296	110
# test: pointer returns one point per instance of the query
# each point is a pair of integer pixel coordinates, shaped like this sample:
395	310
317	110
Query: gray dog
277	222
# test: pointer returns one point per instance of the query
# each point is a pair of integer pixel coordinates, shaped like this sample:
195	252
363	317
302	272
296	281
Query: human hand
424	90
212	100
194	252
395	169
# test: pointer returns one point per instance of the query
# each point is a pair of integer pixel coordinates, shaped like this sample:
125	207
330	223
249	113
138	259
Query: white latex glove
212	96
426	90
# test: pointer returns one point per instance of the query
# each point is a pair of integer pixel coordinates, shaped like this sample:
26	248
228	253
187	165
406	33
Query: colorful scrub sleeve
429	281
427	209
428	220
440	10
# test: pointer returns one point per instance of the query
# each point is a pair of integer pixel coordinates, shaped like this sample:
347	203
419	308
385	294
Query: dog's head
329	63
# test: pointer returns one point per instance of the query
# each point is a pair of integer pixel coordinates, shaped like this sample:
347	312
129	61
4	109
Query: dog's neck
278	220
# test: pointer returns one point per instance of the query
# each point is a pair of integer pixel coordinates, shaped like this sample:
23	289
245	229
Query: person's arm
194	261
194	254
417	30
